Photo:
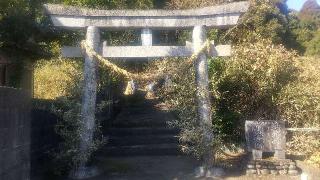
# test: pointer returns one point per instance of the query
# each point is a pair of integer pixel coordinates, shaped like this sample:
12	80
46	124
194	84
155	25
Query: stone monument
268	136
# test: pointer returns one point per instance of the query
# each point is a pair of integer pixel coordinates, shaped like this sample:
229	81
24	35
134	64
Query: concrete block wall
15	139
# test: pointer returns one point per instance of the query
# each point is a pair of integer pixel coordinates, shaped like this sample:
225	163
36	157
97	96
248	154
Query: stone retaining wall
15	139
44	140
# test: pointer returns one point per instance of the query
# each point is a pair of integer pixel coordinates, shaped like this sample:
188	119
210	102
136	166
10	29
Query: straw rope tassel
130	89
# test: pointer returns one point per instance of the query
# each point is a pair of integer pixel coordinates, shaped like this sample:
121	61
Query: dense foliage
300	99
264	20
313	47
304	27
299	105
247	85
57	78
185	4
111	4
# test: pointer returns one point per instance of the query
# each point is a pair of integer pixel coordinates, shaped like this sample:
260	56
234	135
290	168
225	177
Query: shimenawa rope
130	89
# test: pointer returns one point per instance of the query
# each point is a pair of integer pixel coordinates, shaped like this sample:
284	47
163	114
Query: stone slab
256	154
265	135
280	154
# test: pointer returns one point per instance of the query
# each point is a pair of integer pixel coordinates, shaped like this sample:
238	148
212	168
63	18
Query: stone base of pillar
256	154
280	154
214	172
85	172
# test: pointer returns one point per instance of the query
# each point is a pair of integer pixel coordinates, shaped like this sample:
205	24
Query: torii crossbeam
149	52
220	17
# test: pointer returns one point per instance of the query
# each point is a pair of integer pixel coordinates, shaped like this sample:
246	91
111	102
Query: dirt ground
178	168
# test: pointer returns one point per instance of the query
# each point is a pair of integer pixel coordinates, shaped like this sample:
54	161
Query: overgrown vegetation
299	103
57	78
246	86
313	47
60	81
264	79
70	129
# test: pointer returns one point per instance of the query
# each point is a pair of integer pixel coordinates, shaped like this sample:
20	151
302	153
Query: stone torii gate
220	17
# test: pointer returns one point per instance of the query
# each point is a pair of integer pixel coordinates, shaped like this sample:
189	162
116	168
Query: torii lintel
221	16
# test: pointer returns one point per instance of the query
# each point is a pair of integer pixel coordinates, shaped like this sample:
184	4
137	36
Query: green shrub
313	46
69	128
57	78
315	159
247	85
60	81
264	20
180	96
299	104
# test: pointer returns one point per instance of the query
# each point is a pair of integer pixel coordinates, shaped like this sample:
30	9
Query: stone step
154	116
142	140
151	123
141	112
140	131
141	150
138	105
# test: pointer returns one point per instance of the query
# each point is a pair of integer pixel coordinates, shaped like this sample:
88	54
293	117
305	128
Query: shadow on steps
141	128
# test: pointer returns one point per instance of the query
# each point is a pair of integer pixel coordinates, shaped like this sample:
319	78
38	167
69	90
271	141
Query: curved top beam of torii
222	16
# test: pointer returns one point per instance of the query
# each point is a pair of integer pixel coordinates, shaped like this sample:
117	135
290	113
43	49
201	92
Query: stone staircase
141	130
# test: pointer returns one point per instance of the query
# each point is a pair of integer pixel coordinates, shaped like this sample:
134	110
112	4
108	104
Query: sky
297	4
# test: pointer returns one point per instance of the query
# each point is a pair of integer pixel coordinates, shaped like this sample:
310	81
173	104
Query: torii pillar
89	92
203	96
